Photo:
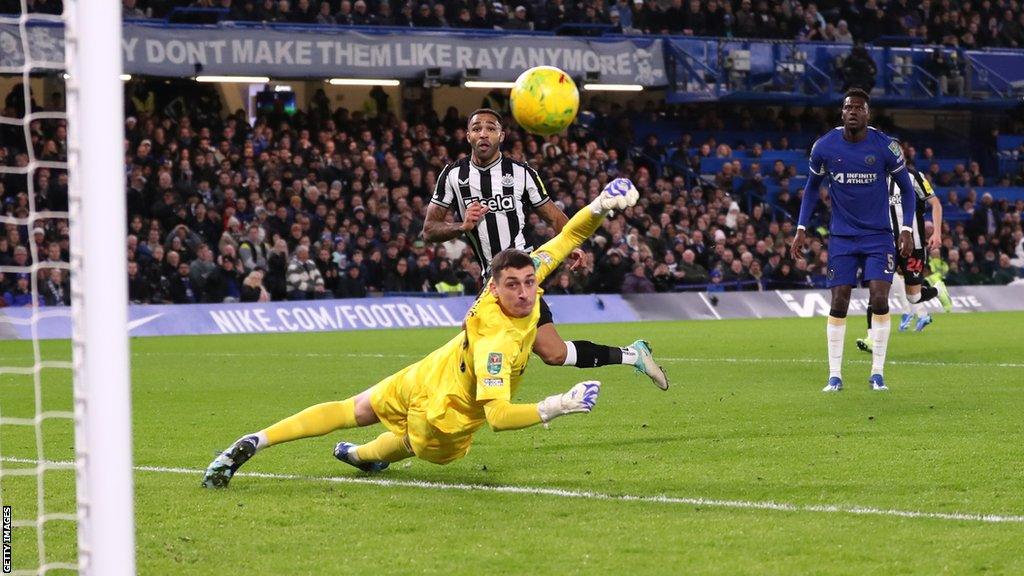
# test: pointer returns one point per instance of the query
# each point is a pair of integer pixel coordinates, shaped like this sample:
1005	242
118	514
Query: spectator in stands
1010	31
518	20
637	282
252	251
352	285
1006	272
859	69
130	9
562	286
182	290
19	294
224	284
304	279
986	217
252	289
138	288
328	270
448	282
202	267
324	16
947	70
277	270
842	34
611	272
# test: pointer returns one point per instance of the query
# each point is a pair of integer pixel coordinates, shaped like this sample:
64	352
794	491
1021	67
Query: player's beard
491	152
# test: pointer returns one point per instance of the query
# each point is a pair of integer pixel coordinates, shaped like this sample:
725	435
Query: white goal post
103	437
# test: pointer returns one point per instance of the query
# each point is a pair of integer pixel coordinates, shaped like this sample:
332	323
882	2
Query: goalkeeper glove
580	398
617	195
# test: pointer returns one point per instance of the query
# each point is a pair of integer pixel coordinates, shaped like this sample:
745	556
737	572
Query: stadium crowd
984	23
999	23
330	203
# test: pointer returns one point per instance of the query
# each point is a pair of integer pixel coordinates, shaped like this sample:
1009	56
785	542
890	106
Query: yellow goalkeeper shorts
400	402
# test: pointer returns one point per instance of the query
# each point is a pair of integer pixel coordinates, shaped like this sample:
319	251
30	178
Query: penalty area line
598	496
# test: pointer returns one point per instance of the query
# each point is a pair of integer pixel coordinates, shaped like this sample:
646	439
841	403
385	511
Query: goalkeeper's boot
905	322
646	365
922	322
835	384
224	466
878	383
864	344
343	451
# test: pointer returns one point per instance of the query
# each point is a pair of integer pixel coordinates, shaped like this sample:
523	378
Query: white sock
570	354
835	332
629	355
914	297
899	290
919	309
262	437
879	342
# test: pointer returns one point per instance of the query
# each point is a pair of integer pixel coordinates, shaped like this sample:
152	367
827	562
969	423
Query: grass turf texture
744	420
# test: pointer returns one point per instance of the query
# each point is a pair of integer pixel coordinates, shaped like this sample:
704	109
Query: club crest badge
507	180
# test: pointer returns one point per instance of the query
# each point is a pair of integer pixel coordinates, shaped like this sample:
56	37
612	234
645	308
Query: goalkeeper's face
516	290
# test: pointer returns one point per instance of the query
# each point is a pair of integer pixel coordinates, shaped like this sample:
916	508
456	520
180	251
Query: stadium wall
395	313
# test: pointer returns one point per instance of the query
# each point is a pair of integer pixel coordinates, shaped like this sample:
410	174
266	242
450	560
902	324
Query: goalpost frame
103	437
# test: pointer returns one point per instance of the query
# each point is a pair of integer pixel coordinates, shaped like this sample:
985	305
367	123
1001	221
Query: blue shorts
873	256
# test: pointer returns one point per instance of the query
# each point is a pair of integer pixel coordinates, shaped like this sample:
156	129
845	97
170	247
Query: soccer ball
544	100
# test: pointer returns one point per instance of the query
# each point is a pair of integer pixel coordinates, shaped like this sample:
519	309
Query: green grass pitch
744	421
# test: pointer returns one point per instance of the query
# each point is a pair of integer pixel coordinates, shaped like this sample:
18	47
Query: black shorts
545	314
912	267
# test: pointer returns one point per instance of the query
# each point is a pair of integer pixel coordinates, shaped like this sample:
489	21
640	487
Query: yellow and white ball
544	100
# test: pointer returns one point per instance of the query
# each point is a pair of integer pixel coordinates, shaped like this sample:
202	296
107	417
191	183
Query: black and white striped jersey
923	191
508	188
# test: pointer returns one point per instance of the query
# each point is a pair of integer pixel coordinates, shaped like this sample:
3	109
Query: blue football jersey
857	174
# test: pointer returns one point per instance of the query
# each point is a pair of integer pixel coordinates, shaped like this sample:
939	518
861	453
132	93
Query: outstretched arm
503	415
617	195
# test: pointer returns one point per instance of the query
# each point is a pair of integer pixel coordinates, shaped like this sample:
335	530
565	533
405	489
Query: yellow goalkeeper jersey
486	361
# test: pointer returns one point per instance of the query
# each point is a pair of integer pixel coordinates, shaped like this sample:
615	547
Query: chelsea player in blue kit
856	159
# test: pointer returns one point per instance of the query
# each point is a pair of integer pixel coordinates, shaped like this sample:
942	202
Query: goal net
65	435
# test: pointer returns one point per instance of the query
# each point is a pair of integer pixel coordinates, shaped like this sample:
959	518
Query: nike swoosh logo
141	321
463	182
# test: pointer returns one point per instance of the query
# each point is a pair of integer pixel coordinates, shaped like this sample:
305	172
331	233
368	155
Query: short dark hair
491	111
858	93
510	258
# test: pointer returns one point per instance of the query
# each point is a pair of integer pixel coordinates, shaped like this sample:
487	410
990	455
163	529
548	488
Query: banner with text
399	313
807	303
304	316
321	52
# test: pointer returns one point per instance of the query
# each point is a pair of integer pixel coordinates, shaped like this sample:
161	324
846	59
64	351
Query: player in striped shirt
491	196
910	285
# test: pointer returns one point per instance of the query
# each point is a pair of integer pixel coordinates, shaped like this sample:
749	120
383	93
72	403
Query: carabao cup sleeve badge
494	362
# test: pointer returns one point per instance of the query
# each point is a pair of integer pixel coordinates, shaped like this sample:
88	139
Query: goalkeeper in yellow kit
432	408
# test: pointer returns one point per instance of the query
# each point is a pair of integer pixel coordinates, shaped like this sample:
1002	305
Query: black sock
869	317
590	355
928	292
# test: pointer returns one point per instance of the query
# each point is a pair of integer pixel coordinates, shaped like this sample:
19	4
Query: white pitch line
585	495
658	358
